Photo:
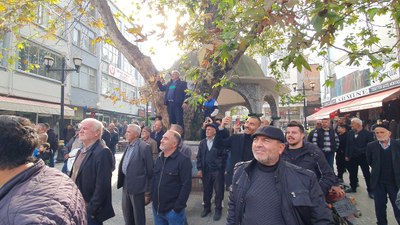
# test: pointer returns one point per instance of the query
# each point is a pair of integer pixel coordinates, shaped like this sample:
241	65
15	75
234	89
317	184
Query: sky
162	55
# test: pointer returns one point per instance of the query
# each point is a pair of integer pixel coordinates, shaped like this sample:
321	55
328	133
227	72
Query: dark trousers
381	194
92	221
340	164
133	208
175	113
211	181
353	171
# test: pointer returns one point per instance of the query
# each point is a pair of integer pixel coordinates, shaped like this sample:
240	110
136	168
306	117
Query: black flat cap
271	132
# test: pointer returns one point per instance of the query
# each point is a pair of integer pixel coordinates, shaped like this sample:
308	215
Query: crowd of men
272	177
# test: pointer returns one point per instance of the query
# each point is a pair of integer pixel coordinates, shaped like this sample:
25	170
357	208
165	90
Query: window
84	38
86	79
47	15
31	60
104	84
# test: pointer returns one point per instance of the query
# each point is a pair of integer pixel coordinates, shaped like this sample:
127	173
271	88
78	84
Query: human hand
66	156
147	198
200	173
347	158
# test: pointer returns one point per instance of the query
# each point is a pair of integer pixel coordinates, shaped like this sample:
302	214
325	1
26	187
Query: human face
41	148
210	132
356	126
111	127
251	125
87	133
157	126
325	124
145	134
294	137
382	134
168	142
174	76
131	135
266	150
341	130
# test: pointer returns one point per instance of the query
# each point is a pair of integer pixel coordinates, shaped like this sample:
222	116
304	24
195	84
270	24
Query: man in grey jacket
30	192
134	176
268	190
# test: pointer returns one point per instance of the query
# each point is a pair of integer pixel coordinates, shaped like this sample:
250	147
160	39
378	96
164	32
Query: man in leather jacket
268	190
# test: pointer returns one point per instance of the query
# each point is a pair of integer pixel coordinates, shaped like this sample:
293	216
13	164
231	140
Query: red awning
371	101
326	111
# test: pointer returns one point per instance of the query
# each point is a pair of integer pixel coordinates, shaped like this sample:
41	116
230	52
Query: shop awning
22	105
326	111
371	101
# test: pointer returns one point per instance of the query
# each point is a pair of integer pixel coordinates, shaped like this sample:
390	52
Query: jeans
381	194
329	157
169	218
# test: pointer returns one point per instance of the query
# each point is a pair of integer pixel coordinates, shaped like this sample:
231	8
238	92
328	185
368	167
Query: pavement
194	206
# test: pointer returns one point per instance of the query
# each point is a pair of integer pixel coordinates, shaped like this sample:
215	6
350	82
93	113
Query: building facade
104	87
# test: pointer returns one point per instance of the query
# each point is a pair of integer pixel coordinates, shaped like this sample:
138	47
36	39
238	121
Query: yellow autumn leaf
135	30
20	46
2	7
98	24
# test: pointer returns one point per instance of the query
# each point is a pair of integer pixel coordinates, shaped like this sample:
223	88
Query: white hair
136	128
176	71
357	120
97	125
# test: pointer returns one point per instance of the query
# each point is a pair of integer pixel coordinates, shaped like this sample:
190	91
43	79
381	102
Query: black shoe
350	190
205	212
217	215
370	195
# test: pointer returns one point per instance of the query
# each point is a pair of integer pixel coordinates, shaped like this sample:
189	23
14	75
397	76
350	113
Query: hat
383	125
271	132
214	125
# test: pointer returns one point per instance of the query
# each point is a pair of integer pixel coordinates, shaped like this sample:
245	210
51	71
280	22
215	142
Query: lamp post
303	89
48	62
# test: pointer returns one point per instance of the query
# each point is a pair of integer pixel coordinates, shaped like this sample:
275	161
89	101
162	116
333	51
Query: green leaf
317	22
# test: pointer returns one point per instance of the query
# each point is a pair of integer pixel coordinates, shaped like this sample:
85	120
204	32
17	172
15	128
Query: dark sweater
387	173
263	189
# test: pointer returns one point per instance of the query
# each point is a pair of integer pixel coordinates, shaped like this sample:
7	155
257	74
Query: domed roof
246	67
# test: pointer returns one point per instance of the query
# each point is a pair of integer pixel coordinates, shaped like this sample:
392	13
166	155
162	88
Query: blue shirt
130	152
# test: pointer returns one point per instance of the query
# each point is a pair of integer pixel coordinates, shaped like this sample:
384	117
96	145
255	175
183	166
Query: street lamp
48	62
303	89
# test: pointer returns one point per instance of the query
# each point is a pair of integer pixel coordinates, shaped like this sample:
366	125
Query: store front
369	104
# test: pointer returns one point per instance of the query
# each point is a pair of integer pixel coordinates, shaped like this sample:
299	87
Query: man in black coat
174	97
210	165
92	172
157	133
383	156
357	140
239	145
268	190
134	176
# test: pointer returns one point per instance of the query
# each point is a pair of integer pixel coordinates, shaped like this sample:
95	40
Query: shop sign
121	75
363	92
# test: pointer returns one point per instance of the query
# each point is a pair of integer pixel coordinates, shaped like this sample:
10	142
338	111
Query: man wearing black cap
210	164
383	155
268	190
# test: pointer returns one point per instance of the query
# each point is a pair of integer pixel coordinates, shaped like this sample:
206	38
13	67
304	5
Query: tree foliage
221	31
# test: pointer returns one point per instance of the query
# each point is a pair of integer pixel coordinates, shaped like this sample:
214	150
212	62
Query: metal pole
304	107
61	126
147	113
288	103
